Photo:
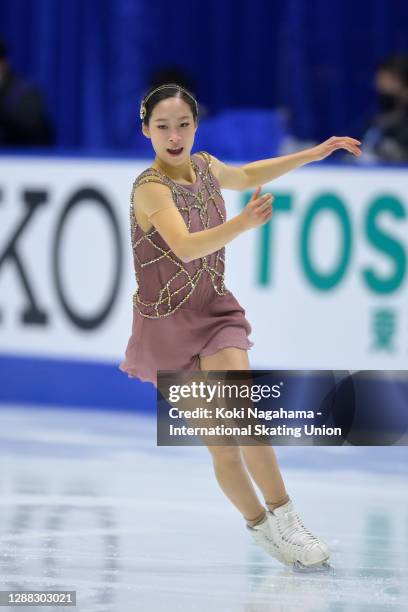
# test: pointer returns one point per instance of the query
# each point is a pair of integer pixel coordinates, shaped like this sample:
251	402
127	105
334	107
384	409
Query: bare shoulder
229	177
154	202
151	195
148	189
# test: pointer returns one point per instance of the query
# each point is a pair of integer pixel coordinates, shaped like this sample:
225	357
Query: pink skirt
178	341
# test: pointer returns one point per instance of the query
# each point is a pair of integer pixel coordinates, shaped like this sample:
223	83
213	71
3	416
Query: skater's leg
229	468
283	534
263	466
260	461
234	480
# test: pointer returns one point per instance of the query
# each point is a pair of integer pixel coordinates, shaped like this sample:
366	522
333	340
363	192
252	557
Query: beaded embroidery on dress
182	311
165	283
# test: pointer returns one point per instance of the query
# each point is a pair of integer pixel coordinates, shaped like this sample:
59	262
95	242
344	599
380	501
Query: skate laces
294	526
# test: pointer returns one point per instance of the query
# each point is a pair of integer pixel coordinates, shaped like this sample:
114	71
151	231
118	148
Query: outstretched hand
333	144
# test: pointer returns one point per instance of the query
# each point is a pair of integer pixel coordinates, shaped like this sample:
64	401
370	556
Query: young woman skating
184	317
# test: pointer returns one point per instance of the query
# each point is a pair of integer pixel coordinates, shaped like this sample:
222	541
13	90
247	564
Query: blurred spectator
23	120
386	138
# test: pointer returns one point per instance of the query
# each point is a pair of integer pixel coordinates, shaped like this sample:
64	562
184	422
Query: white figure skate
263	537
285	537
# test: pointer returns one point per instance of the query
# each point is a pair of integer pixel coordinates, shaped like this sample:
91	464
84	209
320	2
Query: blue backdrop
93	58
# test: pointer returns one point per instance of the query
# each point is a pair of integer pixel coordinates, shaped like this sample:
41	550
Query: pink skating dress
181	311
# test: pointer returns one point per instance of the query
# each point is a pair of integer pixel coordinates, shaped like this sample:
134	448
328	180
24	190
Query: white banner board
324	284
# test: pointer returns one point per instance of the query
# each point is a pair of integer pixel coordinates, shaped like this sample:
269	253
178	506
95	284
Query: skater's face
171	129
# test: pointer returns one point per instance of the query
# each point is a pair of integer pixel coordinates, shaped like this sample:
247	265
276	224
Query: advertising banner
324	283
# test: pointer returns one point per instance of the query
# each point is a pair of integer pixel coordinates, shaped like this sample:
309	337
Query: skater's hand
333	144
258	210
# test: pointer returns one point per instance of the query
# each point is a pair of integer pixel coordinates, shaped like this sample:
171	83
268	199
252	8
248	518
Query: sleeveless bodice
165	283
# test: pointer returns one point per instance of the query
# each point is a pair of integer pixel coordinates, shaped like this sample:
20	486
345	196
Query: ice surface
88	502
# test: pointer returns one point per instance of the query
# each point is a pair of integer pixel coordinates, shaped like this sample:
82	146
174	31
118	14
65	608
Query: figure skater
184	318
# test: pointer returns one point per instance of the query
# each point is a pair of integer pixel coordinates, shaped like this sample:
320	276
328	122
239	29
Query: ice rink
89	503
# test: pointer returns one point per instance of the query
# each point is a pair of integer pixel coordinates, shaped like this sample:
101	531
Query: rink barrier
71	384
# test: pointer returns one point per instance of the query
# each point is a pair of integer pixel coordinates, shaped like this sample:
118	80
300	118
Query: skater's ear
145	130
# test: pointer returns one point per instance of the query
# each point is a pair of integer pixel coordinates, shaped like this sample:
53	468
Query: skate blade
321	568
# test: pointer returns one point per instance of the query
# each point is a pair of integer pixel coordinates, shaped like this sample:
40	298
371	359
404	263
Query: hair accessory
143	103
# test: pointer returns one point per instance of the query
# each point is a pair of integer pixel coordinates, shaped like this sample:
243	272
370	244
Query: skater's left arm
265	170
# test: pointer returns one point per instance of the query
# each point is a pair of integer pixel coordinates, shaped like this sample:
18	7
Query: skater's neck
183	174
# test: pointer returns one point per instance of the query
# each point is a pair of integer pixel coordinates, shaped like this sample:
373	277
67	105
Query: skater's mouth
175	152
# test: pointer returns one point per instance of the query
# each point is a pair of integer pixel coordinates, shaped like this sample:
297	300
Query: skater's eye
162	126
185	123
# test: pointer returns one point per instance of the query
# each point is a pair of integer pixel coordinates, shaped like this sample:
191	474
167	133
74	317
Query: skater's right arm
156	202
